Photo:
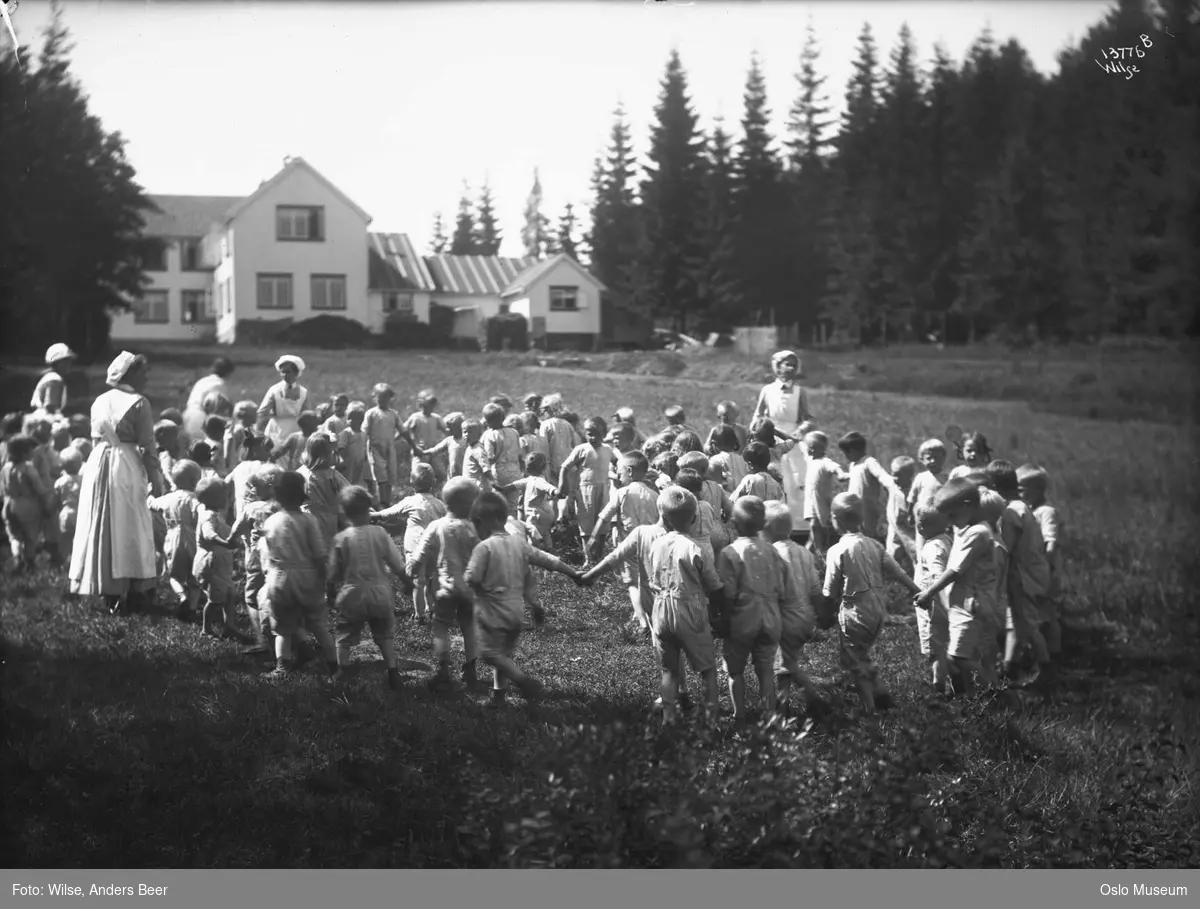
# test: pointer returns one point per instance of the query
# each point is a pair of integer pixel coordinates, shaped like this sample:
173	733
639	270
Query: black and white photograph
630	435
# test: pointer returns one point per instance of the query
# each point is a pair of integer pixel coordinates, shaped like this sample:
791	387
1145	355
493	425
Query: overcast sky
397	103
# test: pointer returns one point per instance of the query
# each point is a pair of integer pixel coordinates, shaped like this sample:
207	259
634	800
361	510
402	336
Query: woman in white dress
284	401
113	552
193	411
50	394
785	404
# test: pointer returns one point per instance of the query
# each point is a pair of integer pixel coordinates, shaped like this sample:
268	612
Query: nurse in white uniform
284	401
785	404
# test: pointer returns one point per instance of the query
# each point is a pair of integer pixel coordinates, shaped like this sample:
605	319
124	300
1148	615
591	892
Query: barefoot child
415	513
496	574
382	427
213	566
588	466
855	571
358	581
179	512
933	622
67	489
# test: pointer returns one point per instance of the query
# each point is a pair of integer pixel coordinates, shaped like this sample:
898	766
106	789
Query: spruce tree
463	243
564	237
440	241
720	294
535	235
487	230
616	236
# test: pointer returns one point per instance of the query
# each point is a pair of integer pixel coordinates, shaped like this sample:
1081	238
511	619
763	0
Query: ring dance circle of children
743	542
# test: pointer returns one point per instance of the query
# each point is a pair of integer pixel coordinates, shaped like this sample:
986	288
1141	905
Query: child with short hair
358	582
974	452
629	418
531	442
901	534
538	497
933	620
256	506
856	568
213	565
67	489
451	449
291	451
474	466
215	429
712	492
500	445
496	573
867	481
687	441
256	451
26	500
445	549
588	466
797	612
322	486
823	473
324	411
336	421
294	561
178	514
352	447
970	575
245	415
1033	483
166	438
706	529
932	458
664	468
727	418
503	401
758	482
427	429
634	504
623	438
382	426
677	420
727	458
200	453
416	512
533	406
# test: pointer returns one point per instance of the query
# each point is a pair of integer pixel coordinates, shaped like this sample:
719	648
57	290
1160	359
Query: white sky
397	103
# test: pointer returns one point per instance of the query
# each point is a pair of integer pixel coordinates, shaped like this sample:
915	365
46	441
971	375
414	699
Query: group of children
699	529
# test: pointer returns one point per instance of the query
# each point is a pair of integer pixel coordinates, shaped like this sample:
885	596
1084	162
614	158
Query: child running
416	512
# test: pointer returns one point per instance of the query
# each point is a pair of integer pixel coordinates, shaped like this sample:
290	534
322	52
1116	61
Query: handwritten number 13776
1122	53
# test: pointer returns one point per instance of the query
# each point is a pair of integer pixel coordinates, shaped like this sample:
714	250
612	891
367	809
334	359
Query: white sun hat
57	352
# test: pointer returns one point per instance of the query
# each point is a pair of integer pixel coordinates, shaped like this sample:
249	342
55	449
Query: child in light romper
753	576
823	473
215	430
258	504
932	458
706	529
1034	482
588	465
213	567
290	453
970	576
933	621
727	458
501	449
245	415
855	571
868	480
901	534
797	615
712	492
67	489
496	574
538	498
758	482
474	466
166	438
322	487
293	593
427	429
560	443
45	461
416	512
444	551
382	426
531	442
358	581
26	501
352	447
452	448
179	512
336	421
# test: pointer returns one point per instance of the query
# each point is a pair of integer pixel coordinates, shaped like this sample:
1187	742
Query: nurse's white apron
287	410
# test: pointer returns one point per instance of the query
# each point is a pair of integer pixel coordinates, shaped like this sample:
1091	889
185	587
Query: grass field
132	742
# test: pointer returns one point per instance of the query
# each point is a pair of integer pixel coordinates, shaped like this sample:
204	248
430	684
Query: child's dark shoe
532	689
393	679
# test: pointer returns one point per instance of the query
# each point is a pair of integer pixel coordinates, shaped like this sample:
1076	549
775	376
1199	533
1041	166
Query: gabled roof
395	265
289	167
186	216
479	275
535	272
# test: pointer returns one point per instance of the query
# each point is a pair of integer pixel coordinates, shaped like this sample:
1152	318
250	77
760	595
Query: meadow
133	742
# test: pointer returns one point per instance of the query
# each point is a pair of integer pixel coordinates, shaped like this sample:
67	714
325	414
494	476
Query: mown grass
133	742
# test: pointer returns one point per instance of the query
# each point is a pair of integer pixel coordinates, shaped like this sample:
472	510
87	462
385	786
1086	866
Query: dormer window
304	223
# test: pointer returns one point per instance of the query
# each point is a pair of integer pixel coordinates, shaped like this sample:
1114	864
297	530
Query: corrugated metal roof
397	262
187	216
481	275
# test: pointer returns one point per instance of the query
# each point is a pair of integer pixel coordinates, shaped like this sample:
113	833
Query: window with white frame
197	306
402	303
329	292
152	309
564	299
189	255
274	291
300	222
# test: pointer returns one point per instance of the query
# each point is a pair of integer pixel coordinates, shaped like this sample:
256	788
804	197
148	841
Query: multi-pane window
564	299
197	307
398	303
328	292
152	309
300	222
189	255
274	291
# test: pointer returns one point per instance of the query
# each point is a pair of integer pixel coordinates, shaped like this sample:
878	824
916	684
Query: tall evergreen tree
440	241
671	201
71	243
564	237
463	243
487	231
535	235
807	120
616	234
720	294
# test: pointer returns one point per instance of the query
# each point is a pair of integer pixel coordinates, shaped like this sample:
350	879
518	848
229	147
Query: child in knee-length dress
26	500
501	448
213	567
322	486
427	429
382	426
352	447
179	512
415	513
589	464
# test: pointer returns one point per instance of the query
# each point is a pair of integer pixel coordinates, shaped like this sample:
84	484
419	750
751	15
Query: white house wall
174	281
585	320
256	250
378	317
